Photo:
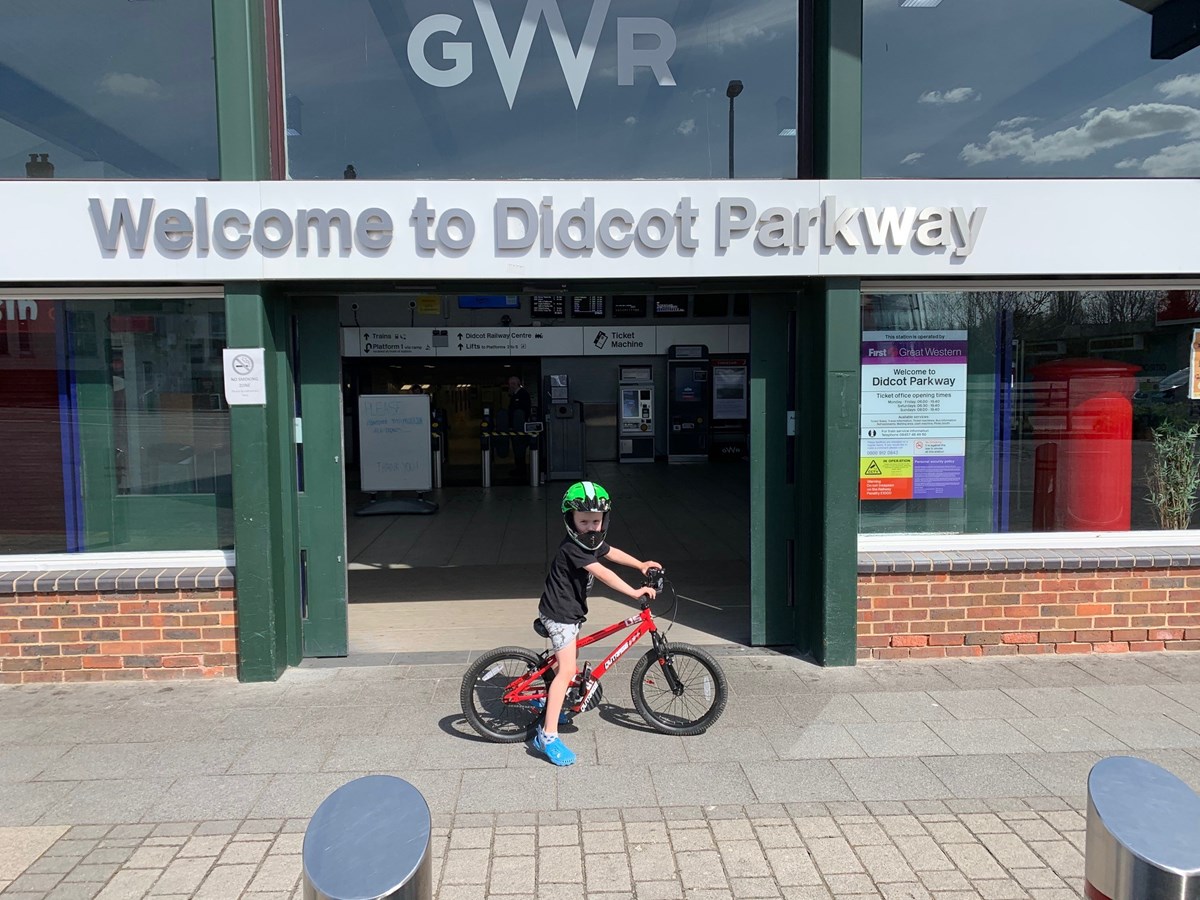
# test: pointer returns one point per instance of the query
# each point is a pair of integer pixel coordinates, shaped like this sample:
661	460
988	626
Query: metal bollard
533	459
436	452
1143	833
369	840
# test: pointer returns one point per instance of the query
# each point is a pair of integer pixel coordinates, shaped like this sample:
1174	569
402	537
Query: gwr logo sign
510	63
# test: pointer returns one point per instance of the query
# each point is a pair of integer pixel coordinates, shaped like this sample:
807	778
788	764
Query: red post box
1086	411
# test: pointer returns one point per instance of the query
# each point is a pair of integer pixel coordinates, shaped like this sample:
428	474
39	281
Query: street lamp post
732	91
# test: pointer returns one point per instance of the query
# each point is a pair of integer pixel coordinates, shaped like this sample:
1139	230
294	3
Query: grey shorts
560	633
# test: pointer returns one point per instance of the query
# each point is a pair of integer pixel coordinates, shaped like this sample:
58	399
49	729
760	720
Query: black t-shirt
564	599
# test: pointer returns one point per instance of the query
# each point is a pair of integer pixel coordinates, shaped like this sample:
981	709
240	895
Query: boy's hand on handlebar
647	592
648	565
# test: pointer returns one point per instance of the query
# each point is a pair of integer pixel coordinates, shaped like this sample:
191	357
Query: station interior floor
469	576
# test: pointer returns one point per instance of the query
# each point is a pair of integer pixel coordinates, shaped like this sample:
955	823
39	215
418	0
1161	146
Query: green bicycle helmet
586	496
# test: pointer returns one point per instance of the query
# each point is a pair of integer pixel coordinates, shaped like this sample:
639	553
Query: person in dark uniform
520	408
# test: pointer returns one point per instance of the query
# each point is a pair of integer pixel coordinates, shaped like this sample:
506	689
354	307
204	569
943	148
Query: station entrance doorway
674	453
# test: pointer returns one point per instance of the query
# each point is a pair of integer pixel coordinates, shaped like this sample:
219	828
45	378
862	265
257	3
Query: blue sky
1030	88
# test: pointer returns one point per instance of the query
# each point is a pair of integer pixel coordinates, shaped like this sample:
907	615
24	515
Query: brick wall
929	615
97	636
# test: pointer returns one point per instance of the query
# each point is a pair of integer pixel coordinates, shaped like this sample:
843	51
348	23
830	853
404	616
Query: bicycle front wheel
483	689
688	699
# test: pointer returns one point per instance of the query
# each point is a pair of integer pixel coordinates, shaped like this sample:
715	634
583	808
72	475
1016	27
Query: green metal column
264	493
772	510
829	503
839	506
263	448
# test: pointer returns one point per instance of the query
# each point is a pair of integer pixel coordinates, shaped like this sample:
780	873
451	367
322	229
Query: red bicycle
677	688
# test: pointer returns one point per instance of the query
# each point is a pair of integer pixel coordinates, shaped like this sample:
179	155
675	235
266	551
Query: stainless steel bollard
1143	833
437	461
369	840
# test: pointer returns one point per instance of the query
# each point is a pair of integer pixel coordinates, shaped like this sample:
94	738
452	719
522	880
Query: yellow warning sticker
885	467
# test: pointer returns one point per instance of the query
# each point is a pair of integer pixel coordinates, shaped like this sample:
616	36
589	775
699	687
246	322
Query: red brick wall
998	613
119	636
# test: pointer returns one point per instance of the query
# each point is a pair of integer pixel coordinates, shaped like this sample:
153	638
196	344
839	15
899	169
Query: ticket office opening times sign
913	417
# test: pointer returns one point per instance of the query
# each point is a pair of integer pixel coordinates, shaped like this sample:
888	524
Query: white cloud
1101	130
954	95
632	120
1179	161
1180	86
123	84
686	127
1018	121
911	158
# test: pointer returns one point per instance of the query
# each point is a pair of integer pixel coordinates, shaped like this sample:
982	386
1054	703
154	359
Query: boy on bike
586	508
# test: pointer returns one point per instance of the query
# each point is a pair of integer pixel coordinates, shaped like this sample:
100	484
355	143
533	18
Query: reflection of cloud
1169	162
1180	86
954	95
123	84
1014	122
743	24
1100	130
686	127
632	120
911	158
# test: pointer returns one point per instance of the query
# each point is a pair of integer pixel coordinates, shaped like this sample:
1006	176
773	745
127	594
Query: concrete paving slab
991	775
902	706
796	781
891	779
978	736
1148	732
1133	699
20	847
972	703
898	739
680	784
1068	733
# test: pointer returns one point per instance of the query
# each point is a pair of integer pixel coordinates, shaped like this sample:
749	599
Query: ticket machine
688	403
635	414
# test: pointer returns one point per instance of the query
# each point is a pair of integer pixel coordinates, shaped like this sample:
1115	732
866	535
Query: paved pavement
950	779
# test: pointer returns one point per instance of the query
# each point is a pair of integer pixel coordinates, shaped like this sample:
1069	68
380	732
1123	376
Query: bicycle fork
667	663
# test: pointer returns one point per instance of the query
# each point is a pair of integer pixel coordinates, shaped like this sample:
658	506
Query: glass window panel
417	89
1046	425
1024	88
107	89
105	408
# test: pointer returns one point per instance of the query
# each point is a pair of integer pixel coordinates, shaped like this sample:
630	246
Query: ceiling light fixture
909	4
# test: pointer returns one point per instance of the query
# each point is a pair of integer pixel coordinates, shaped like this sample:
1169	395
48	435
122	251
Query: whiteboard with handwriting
393	442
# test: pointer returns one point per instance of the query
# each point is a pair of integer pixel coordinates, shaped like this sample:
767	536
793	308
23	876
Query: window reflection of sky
1024	88
108	88
359	101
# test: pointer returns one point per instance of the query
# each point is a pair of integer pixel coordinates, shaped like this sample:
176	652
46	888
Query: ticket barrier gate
492	440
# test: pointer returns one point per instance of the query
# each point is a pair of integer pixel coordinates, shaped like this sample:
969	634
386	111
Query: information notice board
914	415
394	442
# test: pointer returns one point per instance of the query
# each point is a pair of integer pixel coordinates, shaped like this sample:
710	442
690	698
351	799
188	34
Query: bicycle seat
540	628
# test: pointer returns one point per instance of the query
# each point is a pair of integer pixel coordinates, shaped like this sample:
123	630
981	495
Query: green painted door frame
317	364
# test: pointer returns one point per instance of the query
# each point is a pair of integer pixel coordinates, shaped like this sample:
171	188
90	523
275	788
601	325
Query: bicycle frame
519	691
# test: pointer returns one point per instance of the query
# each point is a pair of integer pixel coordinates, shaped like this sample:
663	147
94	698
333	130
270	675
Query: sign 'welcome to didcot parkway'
202	231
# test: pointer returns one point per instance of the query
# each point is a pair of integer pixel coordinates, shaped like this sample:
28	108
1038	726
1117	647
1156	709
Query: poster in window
912	443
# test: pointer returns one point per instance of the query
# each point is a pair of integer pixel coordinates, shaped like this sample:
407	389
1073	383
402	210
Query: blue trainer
555	750
564	717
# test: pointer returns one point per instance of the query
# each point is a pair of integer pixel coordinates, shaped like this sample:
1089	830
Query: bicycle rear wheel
702	694
482	695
